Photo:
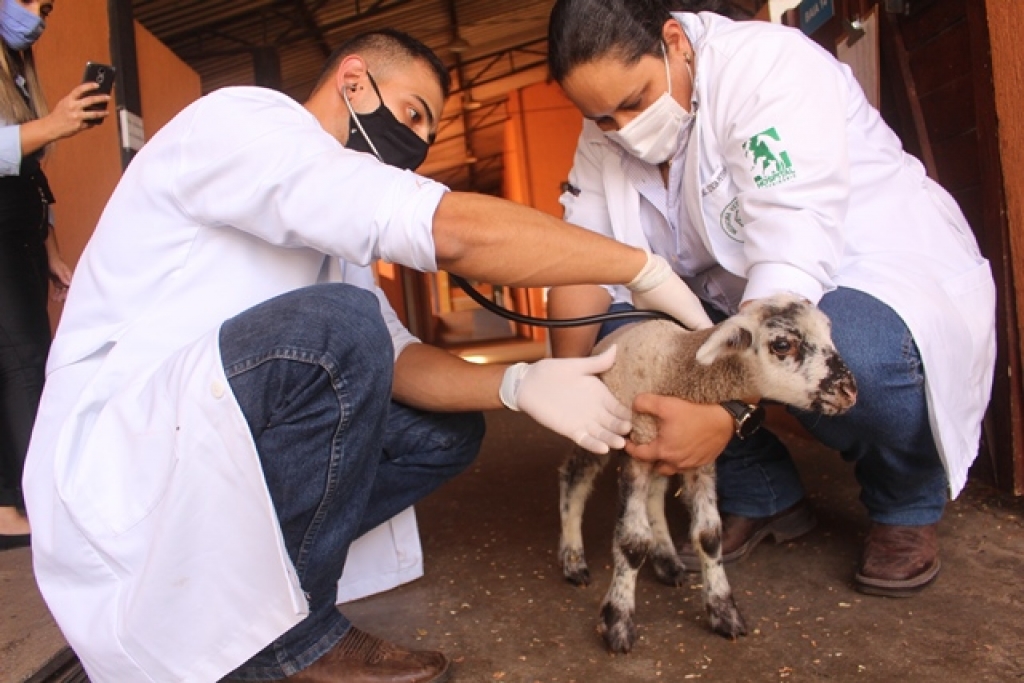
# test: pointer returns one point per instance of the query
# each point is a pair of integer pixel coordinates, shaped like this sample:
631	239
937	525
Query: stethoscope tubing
641	314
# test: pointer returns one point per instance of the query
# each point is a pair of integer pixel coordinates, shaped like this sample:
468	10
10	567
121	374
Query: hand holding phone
104	76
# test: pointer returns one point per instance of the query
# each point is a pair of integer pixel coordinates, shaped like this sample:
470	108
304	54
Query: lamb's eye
780	346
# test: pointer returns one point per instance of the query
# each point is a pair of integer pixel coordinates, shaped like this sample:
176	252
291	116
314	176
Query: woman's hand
60	273
71	116
689	434
68	118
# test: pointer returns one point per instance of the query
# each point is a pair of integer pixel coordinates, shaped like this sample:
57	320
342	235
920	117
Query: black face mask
381	134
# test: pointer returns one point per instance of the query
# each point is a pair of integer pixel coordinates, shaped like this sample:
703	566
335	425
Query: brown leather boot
898	561
740	535
361	658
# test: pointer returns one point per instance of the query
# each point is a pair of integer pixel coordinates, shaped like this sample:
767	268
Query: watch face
750	422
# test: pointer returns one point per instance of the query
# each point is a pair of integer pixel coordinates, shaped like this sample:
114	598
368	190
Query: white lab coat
155	542
838	204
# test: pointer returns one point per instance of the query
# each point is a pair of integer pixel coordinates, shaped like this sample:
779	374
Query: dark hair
581	31
386	48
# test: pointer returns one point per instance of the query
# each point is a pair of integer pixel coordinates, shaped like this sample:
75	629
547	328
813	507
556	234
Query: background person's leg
24	343
422	450
312	372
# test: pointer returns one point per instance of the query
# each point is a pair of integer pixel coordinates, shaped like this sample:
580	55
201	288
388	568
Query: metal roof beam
250	17
309	21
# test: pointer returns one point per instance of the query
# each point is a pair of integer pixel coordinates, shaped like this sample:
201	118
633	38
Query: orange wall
540	136
540	142
515	182
167	84
84	169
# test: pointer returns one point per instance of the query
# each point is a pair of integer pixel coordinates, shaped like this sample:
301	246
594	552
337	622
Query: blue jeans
312	373
886	434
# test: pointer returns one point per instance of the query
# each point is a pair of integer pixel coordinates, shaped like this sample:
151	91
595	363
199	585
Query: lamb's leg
632	543
575	482
706	536
669	569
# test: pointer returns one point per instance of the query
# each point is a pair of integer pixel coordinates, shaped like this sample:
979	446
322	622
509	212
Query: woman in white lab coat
749	158
214	418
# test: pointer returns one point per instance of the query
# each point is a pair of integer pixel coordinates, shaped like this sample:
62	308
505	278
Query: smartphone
102	74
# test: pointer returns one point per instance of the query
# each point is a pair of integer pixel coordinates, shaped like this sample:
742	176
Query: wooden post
1005	204
127	95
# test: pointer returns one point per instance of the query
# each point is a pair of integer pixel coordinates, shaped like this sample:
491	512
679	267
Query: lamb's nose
848	389
843	383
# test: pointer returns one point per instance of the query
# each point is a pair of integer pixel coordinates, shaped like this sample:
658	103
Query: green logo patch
769	162
731	220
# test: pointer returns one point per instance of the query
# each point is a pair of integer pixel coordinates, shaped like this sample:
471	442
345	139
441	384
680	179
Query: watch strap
748	417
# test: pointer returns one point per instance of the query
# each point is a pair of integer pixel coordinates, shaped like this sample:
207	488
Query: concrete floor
493	597
32	648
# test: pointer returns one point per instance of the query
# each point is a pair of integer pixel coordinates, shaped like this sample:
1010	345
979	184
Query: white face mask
654	134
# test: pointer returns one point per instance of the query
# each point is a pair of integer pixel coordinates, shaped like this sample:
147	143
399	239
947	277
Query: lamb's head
786	344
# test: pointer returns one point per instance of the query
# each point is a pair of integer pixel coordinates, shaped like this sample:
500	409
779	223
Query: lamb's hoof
725	618
669	570
574	567
579	577
617	629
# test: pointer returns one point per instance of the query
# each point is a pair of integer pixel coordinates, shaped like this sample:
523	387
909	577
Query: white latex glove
657	287
564	395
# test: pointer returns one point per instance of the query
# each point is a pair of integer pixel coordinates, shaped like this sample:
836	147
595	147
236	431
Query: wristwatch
748	417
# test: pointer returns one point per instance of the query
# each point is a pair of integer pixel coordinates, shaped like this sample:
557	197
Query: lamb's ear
730	337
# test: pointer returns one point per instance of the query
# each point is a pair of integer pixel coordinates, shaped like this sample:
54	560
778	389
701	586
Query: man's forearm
501	242
575	301
430	378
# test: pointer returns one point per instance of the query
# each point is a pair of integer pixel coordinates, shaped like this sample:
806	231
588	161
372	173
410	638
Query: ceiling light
458	45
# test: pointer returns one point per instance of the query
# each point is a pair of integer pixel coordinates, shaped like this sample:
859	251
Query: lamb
779	348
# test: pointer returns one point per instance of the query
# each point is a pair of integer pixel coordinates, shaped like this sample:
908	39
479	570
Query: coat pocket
973	296
119	476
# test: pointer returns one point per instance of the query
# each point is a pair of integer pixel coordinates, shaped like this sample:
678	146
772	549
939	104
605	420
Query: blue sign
814	14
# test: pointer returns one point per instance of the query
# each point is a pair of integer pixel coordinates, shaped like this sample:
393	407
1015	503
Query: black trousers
24	344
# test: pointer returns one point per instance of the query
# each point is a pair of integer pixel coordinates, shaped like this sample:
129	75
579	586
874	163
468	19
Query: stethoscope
591	319
558	322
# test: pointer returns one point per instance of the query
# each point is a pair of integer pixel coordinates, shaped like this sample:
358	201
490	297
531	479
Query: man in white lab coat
211	432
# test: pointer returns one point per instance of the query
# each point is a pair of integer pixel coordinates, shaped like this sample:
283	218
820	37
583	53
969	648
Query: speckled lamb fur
779	348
